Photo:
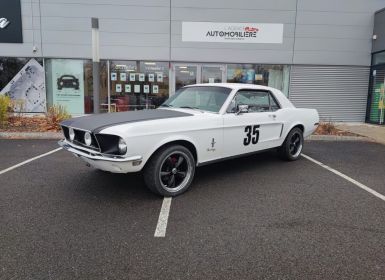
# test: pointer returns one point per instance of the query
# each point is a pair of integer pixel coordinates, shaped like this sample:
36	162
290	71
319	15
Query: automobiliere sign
271	33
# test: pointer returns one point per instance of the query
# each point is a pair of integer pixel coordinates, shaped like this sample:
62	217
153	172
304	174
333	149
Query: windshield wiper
166	105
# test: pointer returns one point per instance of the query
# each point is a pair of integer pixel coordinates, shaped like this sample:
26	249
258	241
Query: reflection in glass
199	97
212	74
276	76
185	75
138	85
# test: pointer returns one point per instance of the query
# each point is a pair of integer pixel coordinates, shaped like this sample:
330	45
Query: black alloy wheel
292	146
170	170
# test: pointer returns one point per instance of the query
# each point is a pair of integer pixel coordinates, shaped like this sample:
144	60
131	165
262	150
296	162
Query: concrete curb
338	138
31	135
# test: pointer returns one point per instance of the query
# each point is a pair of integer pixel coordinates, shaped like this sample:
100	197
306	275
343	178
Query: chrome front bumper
96	156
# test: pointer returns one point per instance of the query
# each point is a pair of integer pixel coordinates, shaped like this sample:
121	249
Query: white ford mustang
197	125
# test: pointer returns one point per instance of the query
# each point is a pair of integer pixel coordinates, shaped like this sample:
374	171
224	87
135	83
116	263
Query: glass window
138	85
202	98
257	101
22	79
379	58
276	76
70	84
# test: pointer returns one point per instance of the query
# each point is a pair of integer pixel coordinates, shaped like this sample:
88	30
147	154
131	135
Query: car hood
95	123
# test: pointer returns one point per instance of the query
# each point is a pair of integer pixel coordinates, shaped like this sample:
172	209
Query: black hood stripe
96	123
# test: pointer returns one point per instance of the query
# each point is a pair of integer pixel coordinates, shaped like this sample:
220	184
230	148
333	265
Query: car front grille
79	138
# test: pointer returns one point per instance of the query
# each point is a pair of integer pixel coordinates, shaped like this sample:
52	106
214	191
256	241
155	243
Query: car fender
170	139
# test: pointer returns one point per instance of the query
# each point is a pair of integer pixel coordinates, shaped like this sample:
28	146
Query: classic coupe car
199	124
67	81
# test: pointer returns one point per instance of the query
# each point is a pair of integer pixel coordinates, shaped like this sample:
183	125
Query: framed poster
127	88
155	89
146	88
123	77
67	82
113	76
132	77
151	77
159	77
141	77
118	88
137	88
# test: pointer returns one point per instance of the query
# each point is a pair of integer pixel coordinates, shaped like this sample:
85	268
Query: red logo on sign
251	29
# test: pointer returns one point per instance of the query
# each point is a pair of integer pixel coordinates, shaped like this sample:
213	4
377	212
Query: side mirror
242	109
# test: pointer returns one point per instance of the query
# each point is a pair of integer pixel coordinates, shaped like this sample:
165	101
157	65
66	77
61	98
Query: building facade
319	53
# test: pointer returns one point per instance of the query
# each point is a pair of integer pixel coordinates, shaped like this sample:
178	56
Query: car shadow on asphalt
123	186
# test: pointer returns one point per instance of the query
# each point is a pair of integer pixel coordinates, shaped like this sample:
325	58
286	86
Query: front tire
291	148
170	171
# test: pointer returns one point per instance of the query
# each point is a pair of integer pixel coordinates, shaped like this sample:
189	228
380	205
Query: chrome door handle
273	116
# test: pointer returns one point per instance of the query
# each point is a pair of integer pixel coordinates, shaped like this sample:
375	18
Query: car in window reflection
67	81
198	125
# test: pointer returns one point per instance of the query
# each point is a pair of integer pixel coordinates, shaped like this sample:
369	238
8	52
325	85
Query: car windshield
202	98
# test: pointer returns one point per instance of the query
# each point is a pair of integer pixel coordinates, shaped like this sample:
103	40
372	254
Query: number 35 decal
252	135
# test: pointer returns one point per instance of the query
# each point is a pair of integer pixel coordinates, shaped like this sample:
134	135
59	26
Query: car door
258	128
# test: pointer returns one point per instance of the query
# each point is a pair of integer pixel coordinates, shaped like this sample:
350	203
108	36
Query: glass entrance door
185	75
188	74
212	74
376	112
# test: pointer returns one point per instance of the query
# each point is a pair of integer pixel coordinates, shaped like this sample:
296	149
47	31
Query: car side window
257	100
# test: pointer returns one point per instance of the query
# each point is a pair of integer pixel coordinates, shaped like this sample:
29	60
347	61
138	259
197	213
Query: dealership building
328	55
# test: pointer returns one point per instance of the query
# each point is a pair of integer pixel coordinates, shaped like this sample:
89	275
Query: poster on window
118	88
68	84
146	88
155	89
132	77
151	77
29	87
113	76
141	77
159	77
123	77
127	88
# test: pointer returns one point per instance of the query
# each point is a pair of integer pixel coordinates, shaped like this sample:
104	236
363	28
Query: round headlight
72	134
122	146
87	139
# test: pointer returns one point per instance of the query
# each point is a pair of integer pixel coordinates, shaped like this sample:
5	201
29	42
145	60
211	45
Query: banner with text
217	32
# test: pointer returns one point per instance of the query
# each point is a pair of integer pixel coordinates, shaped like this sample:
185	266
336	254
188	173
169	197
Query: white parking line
351	180
28	160
161	227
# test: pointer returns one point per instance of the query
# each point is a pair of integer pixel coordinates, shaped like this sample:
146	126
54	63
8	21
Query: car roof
234	86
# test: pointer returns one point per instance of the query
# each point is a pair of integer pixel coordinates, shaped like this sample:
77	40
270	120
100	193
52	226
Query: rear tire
170	171
291	148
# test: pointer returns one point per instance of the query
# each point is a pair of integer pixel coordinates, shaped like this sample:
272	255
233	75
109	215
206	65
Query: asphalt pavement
251	218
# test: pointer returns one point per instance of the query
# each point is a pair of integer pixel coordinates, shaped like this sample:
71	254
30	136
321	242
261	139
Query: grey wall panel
71	10
333	44
238	5
154	3
339	93
379	30
332	58
128	27
334	32
231	55
135	53
340	5
232	15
